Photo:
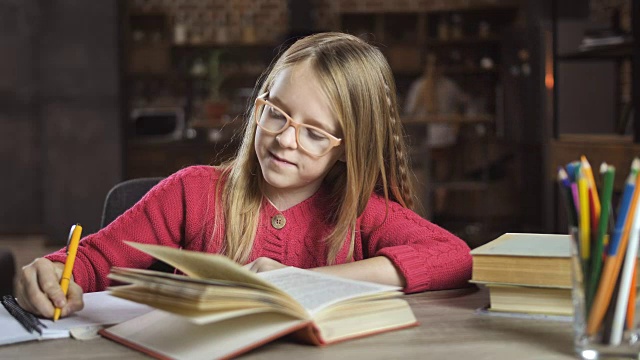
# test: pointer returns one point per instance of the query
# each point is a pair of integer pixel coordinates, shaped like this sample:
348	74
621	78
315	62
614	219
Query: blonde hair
358	82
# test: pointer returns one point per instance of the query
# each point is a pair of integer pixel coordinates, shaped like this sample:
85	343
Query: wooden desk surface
449	329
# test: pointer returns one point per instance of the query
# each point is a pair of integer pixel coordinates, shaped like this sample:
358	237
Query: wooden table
449	329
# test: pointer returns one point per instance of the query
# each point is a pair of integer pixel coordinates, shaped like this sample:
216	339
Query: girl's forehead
297	90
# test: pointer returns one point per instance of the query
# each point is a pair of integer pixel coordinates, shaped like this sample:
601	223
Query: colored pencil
625	279
608	173
612	263
594	199
565	192
584	227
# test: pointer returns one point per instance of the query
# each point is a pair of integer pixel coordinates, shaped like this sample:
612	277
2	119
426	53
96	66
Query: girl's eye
315	135
275	113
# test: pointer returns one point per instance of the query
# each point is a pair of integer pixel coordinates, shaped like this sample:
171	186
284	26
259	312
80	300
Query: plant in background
215	75
216	105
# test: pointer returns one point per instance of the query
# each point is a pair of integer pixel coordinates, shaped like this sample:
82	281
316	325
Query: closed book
530	299
524	259
219	309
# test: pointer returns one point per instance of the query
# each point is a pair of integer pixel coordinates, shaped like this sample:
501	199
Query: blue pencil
627	194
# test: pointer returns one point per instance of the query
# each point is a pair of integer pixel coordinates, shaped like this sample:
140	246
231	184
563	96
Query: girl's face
291	174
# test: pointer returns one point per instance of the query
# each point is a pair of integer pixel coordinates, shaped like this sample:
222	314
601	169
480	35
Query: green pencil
608	173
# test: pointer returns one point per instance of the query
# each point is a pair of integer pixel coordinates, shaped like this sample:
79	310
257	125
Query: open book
221	309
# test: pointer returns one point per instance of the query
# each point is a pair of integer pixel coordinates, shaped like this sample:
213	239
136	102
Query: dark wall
20	150
66	151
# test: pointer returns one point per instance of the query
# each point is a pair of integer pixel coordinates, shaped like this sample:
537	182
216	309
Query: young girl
321	182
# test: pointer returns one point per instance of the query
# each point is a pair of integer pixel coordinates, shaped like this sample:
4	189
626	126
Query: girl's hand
262	264
38	289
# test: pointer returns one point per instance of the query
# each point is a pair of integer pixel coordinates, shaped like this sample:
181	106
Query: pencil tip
562	173
603	167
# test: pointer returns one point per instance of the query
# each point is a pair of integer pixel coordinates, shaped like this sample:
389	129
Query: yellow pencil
583	223
72	250
593	191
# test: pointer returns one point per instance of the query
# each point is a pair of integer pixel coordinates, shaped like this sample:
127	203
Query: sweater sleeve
429	257
158	218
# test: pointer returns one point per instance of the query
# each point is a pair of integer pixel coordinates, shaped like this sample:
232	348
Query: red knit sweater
178	212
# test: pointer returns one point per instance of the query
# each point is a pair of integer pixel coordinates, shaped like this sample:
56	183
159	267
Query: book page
316	291
100	309
521	244
11	331
202	265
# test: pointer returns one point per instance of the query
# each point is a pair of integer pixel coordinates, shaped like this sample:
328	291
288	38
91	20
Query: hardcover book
530	299
219	309
524	259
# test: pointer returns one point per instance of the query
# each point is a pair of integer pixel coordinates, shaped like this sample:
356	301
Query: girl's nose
287	138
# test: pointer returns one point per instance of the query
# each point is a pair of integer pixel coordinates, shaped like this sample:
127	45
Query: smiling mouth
277	158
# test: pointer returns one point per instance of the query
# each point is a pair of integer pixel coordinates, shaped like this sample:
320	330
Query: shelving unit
470	57
167	66
615	149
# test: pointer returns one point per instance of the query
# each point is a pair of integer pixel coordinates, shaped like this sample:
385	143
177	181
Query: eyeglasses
273	120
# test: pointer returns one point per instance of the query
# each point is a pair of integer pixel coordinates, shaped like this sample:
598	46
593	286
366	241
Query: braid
401	190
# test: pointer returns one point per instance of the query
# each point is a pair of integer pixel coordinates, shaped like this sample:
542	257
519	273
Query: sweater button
278	221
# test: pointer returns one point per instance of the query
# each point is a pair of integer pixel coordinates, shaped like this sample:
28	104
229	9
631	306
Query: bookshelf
167	61
614	148
467	42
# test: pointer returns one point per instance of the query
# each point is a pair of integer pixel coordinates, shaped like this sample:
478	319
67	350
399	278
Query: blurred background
495	94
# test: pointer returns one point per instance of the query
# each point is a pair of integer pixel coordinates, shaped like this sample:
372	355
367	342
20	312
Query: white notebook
100	309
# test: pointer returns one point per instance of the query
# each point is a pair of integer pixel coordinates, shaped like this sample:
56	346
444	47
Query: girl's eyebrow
308	121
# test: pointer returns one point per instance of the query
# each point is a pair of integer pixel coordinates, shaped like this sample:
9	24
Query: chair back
123	196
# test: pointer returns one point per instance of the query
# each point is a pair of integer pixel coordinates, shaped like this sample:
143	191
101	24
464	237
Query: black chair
123	196
8	271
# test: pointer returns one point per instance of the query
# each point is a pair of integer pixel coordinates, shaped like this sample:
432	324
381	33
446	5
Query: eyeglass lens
273	120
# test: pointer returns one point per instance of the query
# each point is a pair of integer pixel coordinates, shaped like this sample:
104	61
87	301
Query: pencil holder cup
597	334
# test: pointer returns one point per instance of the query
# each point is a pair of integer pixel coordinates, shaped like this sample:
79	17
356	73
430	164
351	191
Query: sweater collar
319	200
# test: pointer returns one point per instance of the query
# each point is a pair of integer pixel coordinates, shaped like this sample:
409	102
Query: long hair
358	82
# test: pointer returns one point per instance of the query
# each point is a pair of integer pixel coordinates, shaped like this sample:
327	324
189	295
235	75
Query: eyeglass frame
261	101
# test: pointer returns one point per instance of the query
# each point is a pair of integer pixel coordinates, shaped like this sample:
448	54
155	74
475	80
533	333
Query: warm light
548	81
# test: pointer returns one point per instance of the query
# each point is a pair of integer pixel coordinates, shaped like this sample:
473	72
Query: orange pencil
631	305
611	270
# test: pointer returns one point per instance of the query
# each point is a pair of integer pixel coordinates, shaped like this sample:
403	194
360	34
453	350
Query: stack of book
526	273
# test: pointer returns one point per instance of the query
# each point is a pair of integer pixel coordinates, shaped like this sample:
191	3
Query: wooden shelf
462	185
469	40
468	70
618	151
232	45
356	7
147	159
453	119
604	52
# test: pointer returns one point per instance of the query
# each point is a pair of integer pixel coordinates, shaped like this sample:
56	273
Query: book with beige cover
526	273
524	259
220	309
530	299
